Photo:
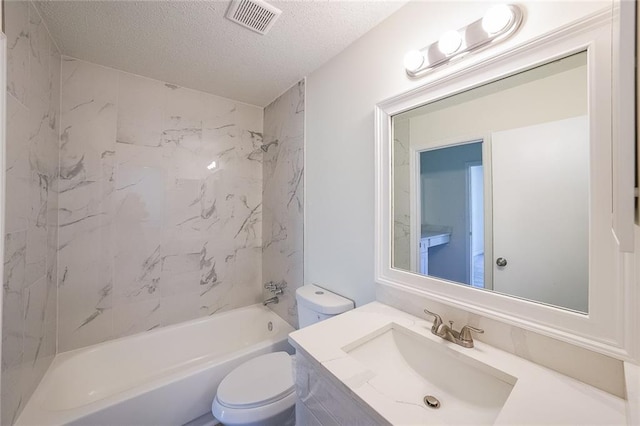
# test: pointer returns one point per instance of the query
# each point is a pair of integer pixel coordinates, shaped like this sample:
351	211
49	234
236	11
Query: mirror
490	186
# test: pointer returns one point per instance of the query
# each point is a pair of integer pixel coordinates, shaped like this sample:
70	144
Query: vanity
377	365
527	156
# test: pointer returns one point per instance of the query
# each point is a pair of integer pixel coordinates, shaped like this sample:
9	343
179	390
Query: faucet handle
437	322
465	334
273	287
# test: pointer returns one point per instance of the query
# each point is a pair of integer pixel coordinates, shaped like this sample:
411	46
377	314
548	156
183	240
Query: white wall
341	96
507	107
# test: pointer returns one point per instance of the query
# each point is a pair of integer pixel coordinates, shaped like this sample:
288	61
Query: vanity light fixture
499	23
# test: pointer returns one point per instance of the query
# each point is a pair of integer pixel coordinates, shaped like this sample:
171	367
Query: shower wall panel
283	197
30	258
160	204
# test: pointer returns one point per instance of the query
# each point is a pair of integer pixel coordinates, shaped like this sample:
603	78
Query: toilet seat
258	382
277	413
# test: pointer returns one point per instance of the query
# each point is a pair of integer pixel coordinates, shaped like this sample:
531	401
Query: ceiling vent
257	15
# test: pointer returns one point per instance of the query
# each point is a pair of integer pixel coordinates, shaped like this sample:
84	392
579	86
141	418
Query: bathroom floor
206	420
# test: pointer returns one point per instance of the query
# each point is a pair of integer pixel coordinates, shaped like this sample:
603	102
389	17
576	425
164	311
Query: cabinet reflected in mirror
491	186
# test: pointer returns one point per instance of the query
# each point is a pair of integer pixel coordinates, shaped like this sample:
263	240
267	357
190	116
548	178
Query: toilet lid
257	382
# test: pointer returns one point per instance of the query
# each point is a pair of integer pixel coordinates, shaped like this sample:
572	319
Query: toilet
261	390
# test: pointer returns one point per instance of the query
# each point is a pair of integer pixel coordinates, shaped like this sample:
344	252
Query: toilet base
279	413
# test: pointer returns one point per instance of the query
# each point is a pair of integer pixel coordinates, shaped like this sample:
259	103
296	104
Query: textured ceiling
191	44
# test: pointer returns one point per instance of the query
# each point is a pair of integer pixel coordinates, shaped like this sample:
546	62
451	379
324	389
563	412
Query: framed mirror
495	186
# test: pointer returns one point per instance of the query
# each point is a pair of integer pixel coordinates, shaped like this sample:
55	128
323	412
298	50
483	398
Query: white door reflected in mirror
541	173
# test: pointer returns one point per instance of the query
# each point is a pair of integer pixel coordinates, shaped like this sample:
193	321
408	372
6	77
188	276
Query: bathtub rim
168	328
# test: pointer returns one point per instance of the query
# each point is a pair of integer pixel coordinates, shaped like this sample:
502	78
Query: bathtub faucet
270	300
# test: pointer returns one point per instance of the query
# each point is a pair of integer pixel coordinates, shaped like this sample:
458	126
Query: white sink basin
408	367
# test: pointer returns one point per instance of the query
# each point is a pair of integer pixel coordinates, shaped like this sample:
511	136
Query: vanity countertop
431	231
435	234
539	396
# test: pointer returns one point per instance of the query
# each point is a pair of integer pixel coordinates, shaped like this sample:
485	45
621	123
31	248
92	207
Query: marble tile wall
283	174
148	234
29	292
401	197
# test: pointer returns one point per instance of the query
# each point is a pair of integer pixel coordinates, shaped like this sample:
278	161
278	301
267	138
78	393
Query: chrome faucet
276	288
462	337
270	300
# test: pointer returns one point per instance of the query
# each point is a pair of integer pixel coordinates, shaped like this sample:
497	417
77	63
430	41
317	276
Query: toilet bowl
258	392
261	391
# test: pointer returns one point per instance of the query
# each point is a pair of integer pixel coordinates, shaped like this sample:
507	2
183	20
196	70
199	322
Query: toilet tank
316	304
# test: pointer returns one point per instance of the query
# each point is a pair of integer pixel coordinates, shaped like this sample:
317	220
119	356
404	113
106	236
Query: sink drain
431	401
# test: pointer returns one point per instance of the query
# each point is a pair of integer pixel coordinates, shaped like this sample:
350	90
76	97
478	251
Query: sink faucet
462	337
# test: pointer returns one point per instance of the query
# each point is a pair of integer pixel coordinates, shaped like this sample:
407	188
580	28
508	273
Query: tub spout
270	300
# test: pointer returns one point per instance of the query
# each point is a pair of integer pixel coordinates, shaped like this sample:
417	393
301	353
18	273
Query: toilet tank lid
322	301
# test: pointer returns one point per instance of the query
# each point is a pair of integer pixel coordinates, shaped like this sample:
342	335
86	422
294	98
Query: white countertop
434	234
540	396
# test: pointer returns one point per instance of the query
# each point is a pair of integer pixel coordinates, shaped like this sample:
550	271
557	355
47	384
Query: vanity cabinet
430	239
322	402
377	365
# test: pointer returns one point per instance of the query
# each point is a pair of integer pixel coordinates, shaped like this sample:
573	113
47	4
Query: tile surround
401	196
18	48
31	232
283	197
148	235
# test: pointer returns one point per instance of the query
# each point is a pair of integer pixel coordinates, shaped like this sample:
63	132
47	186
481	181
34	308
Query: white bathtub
167	376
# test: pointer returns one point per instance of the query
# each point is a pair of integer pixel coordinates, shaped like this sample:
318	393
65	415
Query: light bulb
212	166
413	60
497	18
450	42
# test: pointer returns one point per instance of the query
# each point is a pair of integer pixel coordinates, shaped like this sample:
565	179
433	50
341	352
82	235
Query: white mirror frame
608	326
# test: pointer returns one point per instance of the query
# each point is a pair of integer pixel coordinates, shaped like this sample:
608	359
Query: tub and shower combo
162	377
234	364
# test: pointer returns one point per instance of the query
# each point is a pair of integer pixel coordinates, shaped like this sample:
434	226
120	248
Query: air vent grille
256	15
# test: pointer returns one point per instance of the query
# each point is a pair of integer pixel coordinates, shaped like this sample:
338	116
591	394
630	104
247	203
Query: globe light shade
413	60
497	18
450	42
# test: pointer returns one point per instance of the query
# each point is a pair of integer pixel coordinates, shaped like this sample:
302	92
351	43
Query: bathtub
167	376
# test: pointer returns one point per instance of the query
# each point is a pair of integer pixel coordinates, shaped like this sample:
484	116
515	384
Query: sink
409	367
